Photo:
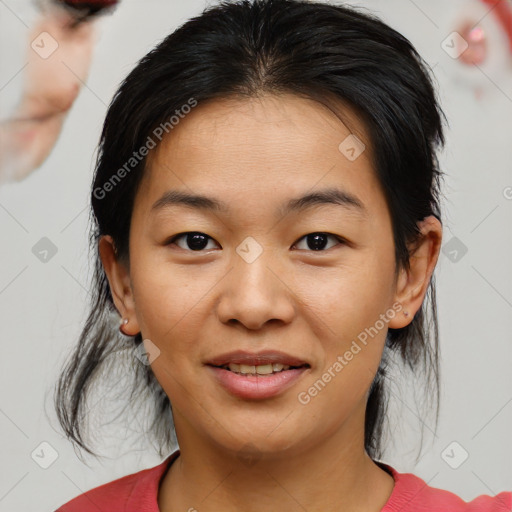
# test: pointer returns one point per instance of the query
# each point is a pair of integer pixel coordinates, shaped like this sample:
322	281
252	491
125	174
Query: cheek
167	309
353	304
351	296
169	302
353	343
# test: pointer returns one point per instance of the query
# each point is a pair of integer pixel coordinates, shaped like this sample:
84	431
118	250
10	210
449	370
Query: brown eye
318	241
194	240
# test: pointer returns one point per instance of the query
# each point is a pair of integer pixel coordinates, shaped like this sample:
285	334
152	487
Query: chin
24	149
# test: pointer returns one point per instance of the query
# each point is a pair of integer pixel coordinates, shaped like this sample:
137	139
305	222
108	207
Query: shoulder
134	492
412	494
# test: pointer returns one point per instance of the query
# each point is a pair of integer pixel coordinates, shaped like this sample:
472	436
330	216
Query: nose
254	294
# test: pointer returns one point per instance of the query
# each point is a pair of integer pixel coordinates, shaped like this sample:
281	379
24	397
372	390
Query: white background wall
42	305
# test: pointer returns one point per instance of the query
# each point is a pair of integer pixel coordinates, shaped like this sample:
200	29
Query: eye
195	240
317	241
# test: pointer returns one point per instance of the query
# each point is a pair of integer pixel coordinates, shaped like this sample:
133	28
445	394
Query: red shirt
138	492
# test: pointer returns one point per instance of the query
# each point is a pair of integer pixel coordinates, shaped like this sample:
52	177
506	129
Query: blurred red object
503	10
476	40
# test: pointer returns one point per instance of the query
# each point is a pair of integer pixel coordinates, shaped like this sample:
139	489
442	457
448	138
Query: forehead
262	149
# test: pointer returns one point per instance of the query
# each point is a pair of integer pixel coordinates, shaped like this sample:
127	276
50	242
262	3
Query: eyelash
341	240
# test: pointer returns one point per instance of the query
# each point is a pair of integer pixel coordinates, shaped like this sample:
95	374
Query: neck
335	475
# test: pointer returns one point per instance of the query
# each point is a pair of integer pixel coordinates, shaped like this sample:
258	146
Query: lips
256	387
257	359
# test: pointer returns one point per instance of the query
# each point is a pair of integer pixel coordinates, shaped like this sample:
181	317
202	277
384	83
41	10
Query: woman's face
255	281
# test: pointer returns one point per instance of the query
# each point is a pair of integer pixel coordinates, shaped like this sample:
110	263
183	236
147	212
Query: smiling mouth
260	370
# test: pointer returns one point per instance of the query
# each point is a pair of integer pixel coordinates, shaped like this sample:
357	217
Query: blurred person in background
57	56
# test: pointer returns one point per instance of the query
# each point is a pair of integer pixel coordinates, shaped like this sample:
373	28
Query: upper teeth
263	369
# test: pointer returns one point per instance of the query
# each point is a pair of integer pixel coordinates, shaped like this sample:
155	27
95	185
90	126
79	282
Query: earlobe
412	284
120	284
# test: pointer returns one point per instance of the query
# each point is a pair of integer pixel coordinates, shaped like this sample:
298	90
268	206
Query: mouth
257	381
260	370
257	375
265	362
36	118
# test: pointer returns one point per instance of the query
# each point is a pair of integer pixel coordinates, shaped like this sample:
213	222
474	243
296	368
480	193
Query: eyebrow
326	196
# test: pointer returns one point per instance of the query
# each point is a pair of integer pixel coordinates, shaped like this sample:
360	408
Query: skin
255	155
51	86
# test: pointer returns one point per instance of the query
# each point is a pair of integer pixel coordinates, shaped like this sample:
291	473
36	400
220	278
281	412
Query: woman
267	223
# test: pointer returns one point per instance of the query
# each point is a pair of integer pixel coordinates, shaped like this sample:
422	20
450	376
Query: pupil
317	242
197	241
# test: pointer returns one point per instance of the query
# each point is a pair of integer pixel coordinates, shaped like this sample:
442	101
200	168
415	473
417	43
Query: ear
412	284
120	284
